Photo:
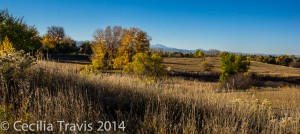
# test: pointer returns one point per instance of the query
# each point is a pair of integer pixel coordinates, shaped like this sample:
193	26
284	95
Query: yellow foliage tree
115	47
133	41
141	40
123	58
99	56
49	42
125	50
6	47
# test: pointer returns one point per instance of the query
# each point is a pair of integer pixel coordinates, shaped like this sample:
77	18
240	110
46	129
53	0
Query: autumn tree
53	36
56	41
22	36
105	46
99	55
56	32
114	47
48	42
133	40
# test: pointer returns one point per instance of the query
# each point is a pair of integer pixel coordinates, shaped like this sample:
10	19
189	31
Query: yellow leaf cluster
6	47
99	55
49	42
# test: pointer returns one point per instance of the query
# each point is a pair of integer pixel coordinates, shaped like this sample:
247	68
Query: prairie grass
194	65
57	91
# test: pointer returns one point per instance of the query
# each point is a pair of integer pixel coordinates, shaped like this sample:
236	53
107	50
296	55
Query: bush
232	64
13	66
270	59
13	69
295	64
223	54
284	60
206	67
13	63
241	81
146	65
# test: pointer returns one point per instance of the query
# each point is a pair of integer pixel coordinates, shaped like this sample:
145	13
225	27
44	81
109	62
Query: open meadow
72	92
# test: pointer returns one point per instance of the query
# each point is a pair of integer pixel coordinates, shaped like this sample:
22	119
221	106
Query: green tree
199	53
286	60
270	59
86	48
223	54
146	65
22	36
259	58
232	64
66	45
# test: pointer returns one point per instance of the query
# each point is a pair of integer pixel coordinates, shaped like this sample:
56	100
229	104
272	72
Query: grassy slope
194	65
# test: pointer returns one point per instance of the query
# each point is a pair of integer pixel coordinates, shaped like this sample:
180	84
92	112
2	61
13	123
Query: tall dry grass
56	91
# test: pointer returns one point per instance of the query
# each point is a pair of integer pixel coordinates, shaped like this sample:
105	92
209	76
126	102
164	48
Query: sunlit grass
175	105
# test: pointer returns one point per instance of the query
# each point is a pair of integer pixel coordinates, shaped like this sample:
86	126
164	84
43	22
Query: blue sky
252	26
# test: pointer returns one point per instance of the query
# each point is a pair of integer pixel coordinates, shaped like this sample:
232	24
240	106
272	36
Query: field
73	93
193	65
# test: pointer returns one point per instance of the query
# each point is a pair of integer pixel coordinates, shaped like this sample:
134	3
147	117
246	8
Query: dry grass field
194	65
66	91
175	105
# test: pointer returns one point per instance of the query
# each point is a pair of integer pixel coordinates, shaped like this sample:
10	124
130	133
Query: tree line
27	38
112	47
284	60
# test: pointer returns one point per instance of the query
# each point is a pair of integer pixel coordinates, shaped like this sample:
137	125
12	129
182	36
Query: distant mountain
170	49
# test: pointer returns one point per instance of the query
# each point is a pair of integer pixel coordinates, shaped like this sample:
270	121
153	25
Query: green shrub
146	65
200	54
232	64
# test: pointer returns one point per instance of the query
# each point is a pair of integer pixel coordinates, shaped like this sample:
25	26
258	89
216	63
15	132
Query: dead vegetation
53	91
